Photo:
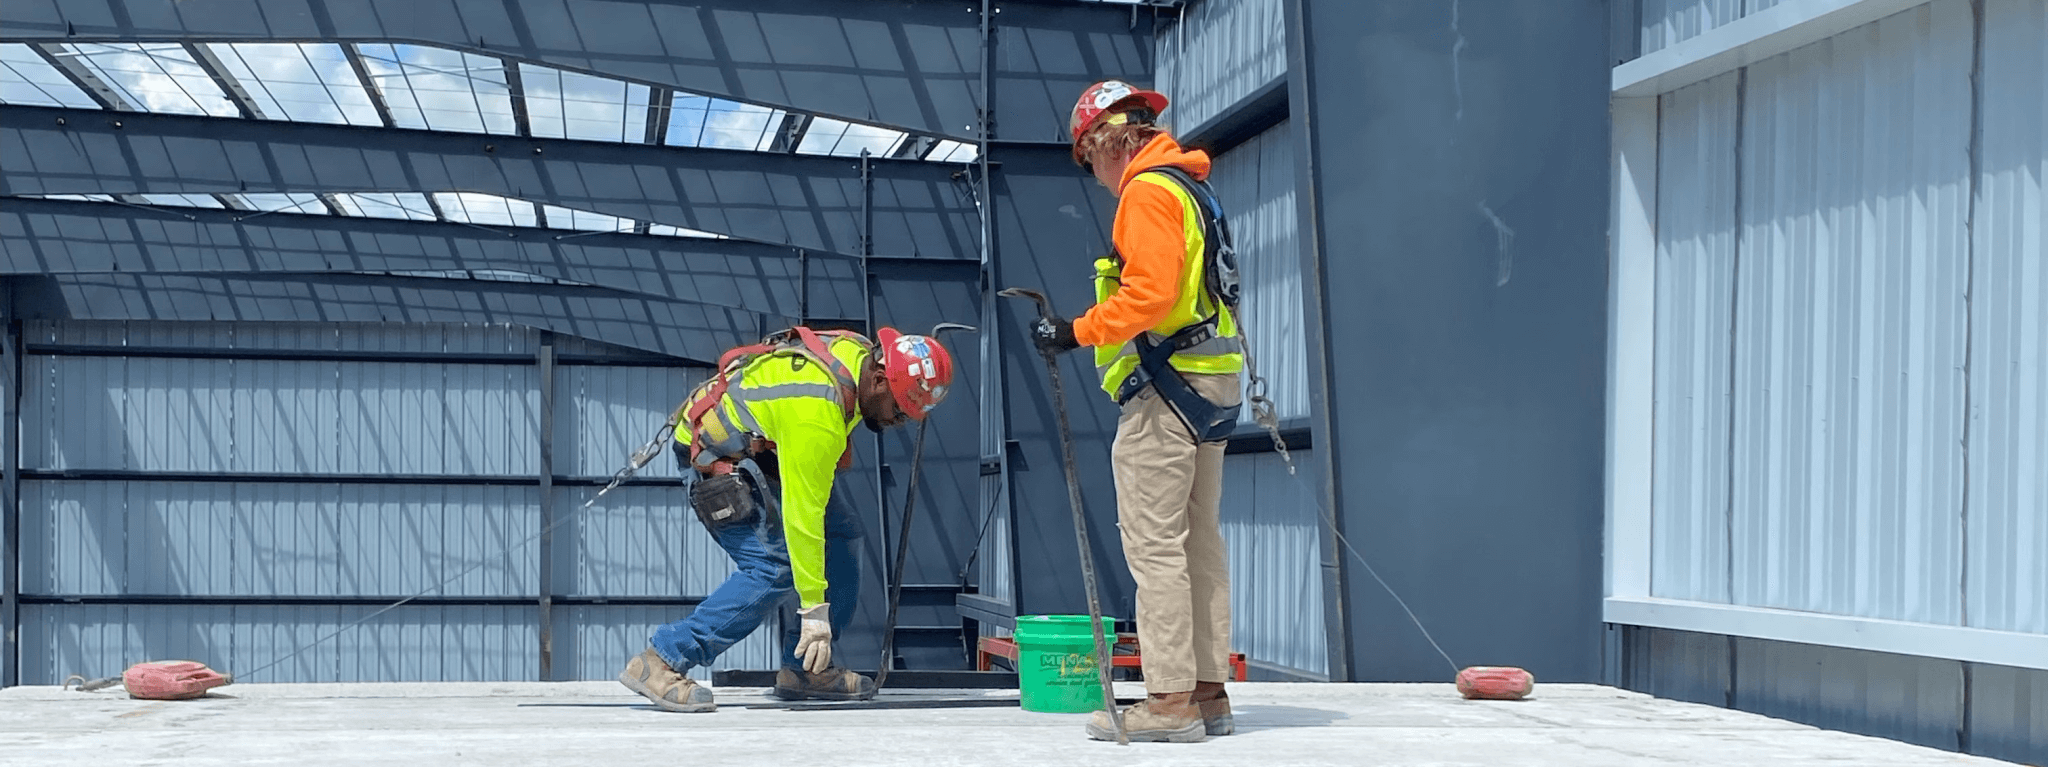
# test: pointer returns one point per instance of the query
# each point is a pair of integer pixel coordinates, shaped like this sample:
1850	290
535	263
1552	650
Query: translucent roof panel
304	82
285	203
838	137
83	197
27	78
664	230
441	89
720	124
559	217
182	200
563	104
489	209
952	151
407	205
154	77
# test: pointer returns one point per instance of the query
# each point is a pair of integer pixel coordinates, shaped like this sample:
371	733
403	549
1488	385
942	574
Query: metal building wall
1668	22
203	481
2007	519
1255	181
1862	239
1274	531
1695	285
1850	321
1212	53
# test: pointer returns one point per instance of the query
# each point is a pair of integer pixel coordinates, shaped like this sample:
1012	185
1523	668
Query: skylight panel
664	230
562	104
411	206
440	89
838	137
949	150
181	200
703	121
285	203
79	197
155	77
486	209
559	217
29	79
303	82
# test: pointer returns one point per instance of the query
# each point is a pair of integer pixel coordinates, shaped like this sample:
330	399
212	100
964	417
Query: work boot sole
785	693
1192	733
1220	725
640	686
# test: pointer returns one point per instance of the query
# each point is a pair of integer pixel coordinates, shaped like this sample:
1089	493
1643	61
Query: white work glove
814	645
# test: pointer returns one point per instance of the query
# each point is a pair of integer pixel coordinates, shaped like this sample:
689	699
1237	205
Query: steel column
545	359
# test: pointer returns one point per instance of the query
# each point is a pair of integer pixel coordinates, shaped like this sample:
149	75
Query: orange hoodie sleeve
1148	232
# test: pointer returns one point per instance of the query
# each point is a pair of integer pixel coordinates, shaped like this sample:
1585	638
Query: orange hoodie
1147	233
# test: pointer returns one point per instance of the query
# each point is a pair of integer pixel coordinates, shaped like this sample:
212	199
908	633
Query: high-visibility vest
1219	350
715	423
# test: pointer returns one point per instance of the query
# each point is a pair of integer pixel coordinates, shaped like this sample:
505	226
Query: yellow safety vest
1223	352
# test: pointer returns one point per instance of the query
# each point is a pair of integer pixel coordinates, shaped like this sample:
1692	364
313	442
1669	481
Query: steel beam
71	237
10	490
806	201
694	332
913	64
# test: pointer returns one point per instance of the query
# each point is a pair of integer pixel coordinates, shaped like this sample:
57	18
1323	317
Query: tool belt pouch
723	501
1207	421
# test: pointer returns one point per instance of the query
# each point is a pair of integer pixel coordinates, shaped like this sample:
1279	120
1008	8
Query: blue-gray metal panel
1695	280
2009	712
603	413
2008	529
1851	322
1255	182
1668	22
594	642
410	643
1273	530
238	539
1680	665
640	541
474	338
1216	52
1917	700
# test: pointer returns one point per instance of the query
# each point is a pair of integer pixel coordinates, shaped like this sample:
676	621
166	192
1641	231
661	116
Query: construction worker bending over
1166	342
759	444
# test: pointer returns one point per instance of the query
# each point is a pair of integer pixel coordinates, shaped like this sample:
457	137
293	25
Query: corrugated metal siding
1273	530
410	643
639	542
1917	700
96	538
1695	282
1667	22
1255	182
1233	47
603	413
213	415
1850	321
2008	514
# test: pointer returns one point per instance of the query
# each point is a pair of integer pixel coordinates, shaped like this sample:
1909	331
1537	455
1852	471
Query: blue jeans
762	584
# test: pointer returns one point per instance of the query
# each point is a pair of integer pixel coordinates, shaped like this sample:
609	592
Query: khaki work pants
1169	491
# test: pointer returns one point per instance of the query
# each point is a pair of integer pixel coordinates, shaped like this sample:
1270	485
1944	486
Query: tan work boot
1215	704
1161	718
654	679
834	683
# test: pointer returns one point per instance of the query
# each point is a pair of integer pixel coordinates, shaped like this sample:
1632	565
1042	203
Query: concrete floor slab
572	723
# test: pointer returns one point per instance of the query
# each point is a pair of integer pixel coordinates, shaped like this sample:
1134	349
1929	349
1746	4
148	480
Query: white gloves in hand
814	644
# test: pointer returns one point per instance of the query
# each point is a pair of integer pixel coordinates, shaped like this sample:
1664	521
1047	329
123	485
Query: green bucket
1056	663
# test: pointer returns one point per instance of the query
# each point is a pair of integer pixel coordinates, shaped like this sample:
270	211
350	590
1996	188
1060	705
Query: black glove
1054	336
722	500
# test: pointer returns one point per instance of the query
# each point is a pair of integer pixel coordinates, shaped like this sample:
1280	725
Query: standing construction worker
759	443
1167	345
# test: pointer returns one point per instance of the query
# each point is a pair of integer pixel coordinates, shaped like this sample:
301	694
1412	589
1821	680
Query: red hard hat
1101	98
918	369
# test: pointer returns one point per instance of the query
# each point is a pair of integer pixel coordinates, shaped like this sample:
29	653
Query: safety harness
1208	421
721	437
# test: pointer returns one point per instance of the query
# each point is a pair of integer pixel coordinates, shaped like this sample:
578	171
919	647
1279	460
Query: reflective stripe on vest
1222	353
728	429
